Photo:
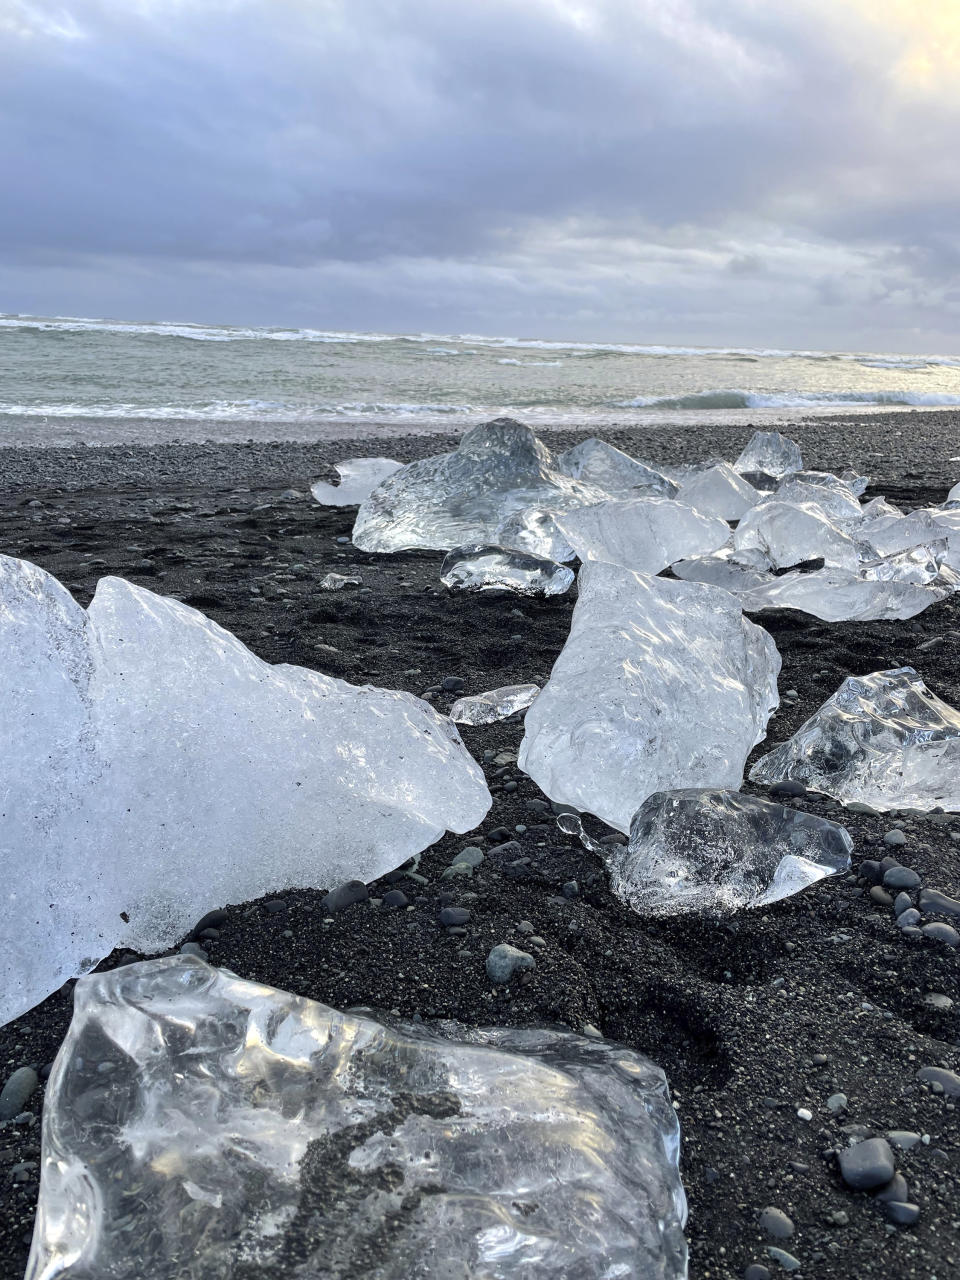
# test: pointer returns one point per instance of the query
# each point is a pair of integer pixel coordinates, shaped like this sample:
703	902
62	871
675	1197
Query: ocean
73	380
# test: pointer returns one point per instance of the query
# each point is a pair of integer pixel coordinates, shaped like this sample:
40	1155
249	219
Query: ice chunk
487	708
535	530
879	507
336	582
485	568
615	472
954	494
837	595
713	850
643	534
719	491
882	739
152	765
886	535
463	497
199	1124
790	533
660	683
918	564
733	570
770	452
836	499
358	478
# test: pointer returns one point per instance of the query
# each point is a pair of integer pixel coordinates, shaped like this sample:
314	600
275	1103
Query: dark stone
786	789
454	916
345	895
867	1165
394	898
212	920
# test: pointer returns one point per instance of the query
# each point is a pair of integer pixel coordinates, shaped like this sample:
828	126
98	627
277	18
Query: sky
693	171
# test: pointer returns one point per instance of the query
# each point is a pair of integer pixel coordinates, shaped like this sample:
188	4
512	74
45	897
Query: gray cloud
714	168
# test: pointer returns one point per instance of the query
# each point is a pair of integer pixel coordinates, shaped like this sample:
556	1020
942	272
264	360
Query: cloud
499	163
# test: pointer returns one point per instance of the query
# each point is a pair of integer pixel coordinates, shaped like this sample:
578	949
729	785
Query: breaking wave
735	399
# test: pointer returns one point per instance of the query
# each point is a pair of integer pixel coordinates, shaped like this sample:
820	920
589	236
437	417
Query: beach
758	1018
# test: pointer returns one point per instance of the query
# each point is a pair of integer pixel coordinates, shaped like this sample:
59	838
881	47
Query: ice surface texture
770	453
464	496
660	684
534	529
719	491
711	850
615	472
200	1125
837	595
153	765
497	704
358	477
643	534
790	533
882	739
489	568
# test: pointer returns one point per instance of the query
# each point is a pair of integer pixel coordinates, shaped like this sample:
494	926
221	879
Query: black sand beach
754	1018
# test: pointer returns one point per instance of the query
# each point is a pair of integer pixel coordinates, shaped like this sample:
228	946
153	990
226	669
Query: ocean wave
535	364
223	410
737	399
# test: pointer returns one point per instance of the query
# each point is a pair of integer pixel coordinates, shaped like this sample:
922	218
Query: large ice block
790	533
643	534
660	684
837	499
358	478
886	535
714	851
464	496
882	739
615	472
154	766
496	704
200	1125
837	595
493	568
719	491
771	453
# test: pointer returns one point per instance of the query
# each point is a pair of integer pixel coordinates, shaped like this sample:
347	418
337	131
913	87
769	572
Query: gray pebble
936	1000
471	855
394	898
454	916
17	1091
786	1260
934	900
941	932
526	926
903	1139
504	961
756	1271
948	1081
901	903
193	949
894	838
787	788
896	1189
571	889
774	1222
867	1165
880	896
837	1102
904	1215
901	878
345	895
453	684
907	919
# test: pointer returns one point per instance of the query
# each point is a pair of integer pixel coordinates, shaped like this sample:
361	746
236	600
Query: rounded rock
775	1223
894	838
907	919
17	1091
345	895
904	1215
504	961
867	1165
941	933
394	898
450	916
901	878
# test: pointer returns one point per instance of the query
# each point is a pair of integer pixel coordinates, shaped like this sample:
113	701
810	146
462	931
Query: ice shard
336	582
643	534
535	530
660	684
837	595
719	491
496	704
837	499
200	1125
619	475
733	570
154	768
888	534
492	568
882	739
463	497
358	478
771	453
954	494
791	533
709	850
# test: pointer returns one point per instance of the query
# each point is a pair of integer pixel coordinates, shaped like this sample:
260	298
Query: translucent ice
836	499
200	1125
643	534
771	453
463	497
615	472
358	477
733	570
485	568
535	530
954	494
487	708
887	534
837	595
336	582
882	739
790	533
719	491
712	850
660	683
152	765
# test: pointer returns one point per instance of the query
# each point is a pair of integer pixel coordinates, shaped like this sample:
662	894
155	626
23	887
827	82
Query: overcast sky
781	172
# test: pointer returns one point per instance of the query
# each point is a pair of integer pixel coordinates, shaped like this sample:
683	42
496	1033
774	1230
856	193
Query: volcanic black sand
754	1018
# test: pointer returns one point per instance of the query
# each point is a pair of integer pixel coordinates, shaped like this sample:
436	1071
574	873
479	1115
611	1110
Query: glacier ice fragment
463	497
487	568
715	850
836	499
954	494
733	570
497	704
358	478
660	683
887	534
882	739
837	595
643	534
153	766
615	472
771	453
791	533
719	491
336	582
534	529
198	1124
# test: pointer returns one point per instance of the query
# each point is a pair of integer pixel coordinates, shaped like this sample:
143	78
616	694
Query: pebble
774	1222
394	898
194	949
345	895
895	837
453	916
805	1113
757	1271
17	1091
904	1215
453	684
934	900
948	1081
901	878
901	903
880	896
936	1000
896	1189
903	1139
837	1102
786	1260
787	788
867	1165
504	961
571	889
941	932
471	855
907	919
869	870
212	920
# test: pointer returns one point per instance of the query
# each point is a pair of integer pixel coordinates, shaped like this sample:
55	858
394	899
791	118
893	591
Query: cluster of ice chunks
643	534
358	478
714	850
153	768
199	1124
485	568
496	704
464	497
660	684
882	739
